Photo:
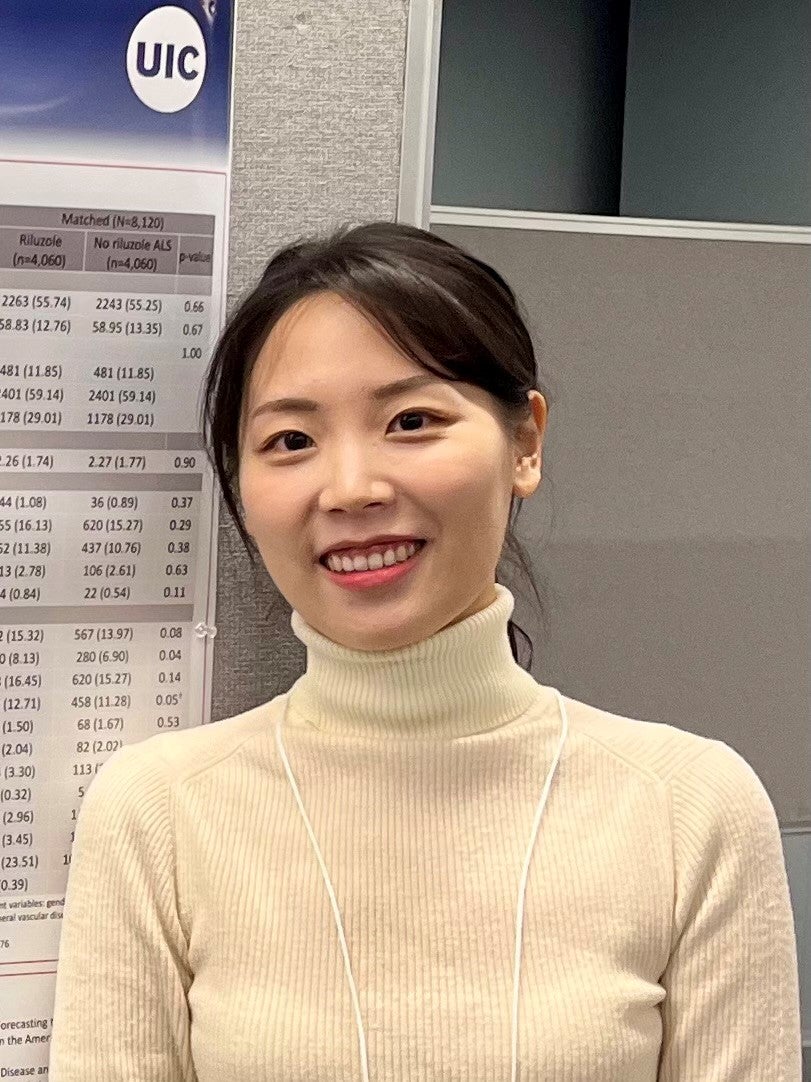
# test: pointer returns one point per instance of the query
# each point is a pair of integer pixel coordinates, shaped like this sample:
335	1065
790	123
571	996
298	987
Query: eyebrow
379	394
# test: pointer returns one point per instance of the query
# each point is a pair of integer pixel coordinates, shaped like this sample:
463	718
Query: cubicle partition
670	534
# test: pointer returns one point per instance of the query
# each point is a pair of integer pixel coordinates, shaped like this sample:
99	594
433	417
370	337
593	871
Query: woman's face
355	469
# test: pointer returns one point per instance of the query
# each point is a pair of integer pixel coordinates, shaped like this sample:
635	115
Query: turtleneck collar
460	681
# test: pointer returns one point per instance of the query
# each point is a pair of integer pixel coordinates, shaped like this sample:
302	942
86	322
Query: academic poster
115	136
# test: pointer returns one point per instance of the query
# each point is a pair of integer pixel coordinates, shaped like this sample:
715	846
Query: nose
354	480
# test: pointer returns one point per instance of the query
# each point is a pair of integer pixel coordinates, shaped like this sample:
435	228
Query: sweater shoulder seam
188	774
647	771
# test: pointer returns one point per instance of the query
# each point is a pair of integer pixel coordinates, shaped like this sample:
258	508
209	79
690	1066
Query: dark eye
270	445
413	413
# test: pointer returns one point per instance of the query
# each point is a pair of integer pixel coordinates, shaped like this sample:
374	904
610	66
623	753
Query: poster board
115	137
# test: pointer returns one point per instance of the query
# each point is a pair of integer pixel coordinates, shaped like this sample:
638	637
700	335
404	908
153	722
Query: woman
418	863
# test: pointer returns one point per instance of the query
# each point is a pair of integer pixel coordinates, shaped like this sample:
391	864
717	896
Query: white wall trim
419	112
592	223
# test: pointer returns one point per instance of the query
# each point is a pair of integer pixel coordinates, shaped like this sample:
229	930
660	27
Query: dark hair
435	301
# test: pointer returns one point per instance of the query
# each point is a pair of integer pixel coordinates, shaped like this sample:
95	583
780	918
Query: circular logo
166	59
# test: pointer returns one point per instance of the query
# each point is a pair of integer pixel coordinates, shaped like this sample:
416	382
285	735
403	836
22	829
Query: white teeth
374	562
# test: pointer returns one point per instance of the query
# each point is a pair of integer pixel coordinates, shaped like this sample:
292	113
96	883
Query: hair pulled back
448	311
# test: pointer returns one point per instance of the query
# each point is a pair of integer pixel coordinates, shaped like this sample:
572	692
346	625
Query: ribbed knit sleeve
120	1011
732	1011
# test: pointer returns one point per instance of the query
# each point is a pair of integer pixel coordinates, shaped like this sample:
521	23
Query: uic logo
166	59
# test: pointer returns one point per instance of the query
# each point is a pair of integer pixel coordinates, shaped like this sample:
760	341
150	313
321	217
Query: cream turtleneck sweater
199	943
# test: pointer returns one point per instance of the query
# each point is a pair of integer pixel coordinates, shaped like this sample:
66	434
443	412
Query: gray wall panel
676	468
317	117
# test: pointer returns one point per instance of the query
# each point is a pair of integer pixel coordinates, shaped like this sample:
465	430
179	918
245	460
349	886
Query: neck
461	681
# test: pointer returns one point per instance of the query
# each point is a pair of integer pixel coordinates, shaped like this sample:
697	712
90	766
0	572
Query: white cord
335	910
519	919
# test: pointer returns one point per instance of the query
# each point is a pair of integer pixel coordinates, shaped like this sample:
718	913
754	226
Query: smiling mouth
420	543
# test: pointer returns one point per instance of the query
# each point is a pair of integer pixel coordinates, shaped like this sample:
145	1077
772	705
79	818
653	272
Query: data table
105	504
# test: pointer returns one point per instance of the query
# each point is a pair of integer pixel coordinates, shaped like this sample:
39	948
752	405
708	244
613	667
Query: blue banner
130	80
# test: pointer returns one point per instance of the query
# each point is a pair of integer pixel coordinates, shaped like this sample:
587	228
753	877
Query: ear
529	441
